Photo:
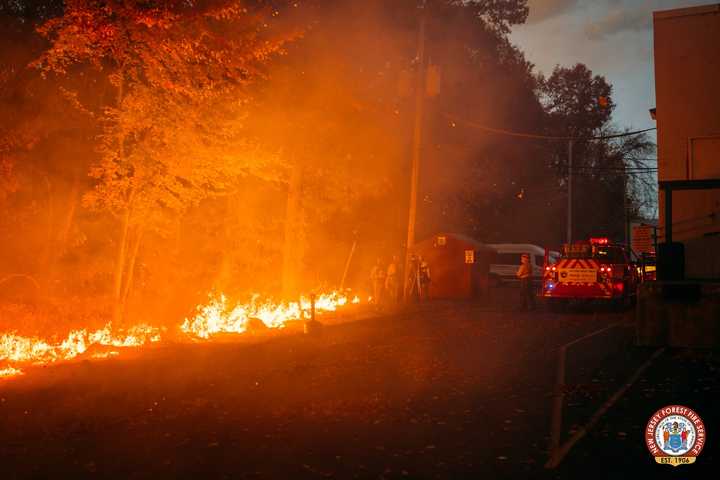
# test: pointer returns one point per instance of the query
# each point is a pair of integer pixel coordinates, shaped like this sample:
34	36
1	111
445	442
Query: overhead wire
510	133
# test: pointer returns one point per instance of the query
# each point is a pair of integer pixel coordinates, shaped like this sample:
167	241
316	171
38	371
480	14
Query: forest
155	151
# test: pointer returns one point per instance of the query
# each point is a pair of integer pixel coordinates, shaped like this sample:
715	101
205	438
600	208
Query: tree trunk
293	243
122	247
120	264
64	233
131	270
60	242
49	241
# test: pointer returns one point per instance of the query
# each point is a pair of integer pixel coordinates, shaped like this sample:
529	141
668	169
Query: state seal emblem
675	435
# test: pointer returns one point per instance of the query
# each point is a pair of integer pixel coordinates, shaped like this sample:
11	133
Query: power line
511	133
620	170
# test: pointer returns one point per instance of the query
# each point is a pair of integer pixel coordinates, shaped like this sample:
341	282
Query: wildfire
216	317
33	350
10	372
210	319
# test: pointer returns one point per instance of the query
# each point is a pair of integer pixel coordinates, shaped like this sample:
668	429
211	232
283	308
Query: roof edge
686	12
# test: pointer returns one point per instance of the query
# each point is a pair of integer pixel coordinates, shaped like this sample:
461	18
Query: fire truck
591	270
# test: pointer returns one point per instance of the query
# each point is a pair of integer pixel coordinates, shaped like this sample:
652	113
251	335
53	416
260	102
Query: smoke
541	10
619	20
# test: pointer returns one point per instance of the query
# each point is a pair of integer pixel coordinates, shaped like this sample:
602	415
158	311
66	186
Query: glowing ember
213	318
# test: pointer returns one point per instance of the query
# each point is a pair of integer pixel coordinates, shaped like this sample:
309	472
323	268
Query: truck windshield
577	250
605	253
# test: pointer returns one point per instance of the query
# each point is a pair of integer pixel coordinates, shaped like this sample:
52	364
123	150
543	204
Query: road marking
559	398
558	453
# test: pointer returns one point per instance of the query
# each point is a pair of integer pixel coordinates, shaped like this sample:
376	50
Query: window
508	259
610	254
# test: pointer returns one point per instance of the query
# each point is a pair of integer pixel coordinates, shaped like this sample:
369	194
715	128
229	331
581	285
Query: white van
508	261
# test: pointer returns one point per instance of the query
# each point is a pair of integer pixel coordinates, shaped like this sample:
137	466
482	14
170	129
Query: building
682	308
687	84
459	265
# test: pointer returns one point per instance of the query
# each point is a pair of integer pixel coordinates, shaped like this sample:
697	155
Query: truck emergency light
599	241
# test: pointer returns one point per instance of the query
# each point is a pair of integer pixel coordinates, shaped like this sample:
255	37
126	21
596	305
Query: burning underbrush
218	316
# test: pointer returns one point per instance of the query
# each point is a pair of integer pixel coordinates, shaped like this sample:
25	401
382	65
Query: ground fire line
215	317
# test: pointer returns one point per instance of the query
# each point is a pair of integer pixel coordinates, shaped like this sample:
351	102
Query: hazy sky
612	37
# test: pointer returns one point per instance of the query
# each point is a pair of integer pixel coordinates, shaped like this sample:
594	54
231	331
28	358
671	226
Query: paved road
450	391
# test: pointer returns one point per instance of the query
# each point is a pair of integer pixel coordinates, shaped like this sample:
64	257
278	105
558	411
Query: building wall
451	276
687	83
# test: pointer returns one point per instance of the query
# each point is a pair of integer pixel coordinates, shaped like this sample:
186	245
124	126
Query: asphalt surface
445	391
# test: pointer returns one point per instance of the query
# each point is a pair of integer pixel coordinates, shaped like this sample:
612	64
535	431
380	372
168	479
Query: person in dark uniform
424	279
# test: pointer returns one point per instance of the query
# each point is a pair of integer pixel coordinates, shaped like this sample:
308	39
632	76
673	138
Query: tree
607	174
39	147
576	102
345	135
173	132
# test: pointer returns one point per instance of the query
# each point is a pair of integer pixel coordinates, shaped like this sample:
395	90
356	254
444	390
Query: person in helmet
524	274
392	282
377	277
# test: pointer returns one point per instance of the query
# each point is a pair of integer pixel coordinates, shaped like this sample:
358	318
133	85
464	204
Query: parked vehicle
508	261
648	267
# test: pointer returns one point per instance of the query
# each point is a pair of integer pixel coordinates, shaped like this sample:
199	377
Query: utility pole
570	191
416	145
626	207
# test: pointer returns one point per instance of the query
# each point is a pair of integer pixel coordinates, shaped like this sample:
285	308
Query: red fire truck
591	270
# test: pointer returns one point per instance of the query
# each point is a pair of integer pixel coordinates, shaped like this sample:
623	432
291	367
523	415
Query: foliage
577	102
174	132
610	176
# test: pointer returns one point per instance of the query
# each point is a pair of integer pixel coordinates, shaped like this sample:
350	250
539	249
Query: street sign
642	239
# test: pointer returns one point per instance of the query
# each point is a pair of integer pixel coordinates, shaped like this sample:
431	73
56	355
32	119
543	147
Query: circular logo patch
675	435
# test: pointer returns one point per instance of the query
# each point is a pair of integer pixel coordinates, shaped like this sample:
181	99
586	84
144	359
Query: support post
312	307
668	215
570	191
416	146
626	208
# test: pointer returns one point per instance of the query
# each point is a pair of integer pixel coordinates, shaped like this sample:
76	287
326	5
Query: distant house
459	265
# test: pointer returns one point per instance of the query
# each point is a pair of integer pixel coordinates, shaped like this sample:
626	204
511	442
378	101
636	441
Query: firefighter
424	279
391	280
377	276
524	274
413	284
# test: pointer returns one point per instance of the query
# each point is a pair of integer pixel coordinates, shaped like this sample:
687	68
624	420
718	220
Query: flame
10	372
216	317
18	349
213	318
